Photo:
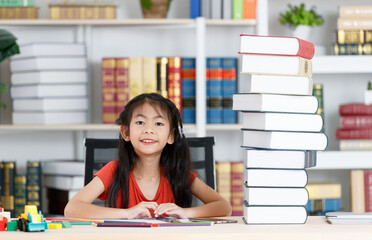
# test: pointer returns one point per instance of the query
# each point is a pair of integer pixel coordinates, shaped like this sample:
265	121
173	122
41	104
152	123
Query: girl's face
149	131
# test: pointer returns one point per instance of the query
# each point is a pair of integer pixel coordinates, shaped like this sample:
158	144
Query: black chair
101	151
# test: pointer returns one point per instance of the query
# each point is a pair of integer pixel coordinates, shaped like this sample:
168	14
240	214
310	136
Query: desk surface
315	228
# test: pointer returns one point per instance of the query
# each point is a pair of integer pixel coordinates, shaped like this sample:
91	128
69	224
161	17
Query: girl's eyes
140	122
156	124
159	124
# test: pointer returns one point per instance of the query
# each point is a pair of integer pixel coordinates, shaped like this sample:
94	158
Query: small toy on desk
31	220
3	223
5	214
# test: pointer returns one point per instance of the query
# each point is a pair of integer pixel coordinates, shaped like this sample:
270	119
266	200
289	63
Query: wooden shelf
335	160
342	64
122	22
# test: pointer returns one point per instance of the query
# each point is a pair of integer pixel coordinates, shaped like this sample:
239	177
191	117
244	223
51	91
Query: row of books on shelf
49	84
354	30
224	9
47	184
174	78
355	131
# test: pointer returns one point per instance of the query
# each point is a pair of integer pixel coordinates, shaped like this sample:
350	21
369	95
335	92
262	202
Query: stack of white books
49	84
281	132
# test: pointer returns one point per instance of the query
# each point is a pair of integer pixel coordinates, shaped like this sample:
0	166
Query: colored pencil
126	225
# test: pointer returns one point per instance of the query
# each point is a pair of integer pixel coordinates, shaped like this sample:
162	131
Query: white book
51	104
276	65
282	121
50	49
63	167
49	117
281	159
49	77
280	84
216	9
276	178
284	140
274	103
40	91
274	215
227	9
266	196
206	8
48	63
63	182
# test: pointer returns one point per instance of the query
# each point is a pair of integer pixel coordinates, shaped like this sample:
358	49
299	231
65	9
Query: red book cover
122	84
237	169
368	190
355	109
175	82
108	90
364	133
276	45
356	121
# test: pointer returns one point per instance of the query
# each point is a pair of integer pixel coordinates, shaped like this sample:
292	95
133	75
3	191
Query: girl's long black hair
175	158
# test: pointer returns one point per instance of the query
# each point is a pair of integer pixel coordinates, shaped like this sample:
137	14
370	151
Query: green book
7	182
318	93
33	184
16	3
19	194
237	9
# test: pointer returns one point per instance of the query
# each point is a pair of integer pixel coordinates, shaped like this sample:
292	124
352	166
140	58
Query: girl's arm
214	204
80	206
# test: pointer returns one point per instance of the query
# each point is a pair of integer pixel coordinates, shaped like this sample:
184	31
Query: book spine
188	90
229	69
7	190
237	169
195	8
175	82
149	75
16	3
355	11
33	184
354	23
324	190
355	145
18	13
318	93
19	194
310	158
306	49
350	36
214	90
223	177
226	9
108	90
368	190
206	8
365	133
352	49
356	121
216	9
306	68
249	9
355	109
320	206
237	9
162	76
357	191
121	84
135	77
82	12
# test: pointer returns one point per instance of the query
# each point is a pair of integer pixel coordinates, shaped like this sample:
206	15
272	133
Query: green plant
298	15
8	47
147	4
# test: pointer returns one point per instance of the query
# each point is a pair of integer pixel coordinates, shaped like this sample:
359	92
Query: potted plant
8	47
155	8
298	19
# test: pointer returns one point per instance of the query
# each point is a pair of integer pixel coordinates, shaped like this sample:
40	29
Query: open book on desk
349	217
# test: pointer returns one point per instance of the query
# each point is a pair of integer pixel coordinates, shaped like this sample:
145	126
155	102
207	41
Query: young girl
153	175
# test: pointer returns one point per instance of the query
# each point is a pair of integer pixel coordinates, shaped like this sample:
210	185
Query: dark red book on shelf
276	45
368	190
108	90
355	109
237	179
356	121
174	82
121	84
362	133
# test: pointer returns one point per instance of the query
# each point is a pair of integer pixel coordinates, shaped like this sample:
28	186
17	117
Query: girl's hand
141	210
171	210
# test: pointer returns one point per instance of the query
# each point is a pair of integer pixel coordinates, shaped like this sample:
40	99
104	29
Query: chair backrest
101	151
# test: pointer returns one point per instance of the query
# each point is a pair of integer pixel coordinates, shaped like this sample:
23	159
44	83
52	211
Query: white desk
316	228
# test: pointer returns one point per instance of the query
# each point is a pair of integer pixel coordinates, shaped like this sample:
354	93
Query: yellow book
223	177
323	190
149	74
135	77
162	65
357	196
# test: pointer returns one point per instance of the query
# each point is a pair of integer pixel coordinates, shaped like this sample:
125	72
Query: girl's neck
146	169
